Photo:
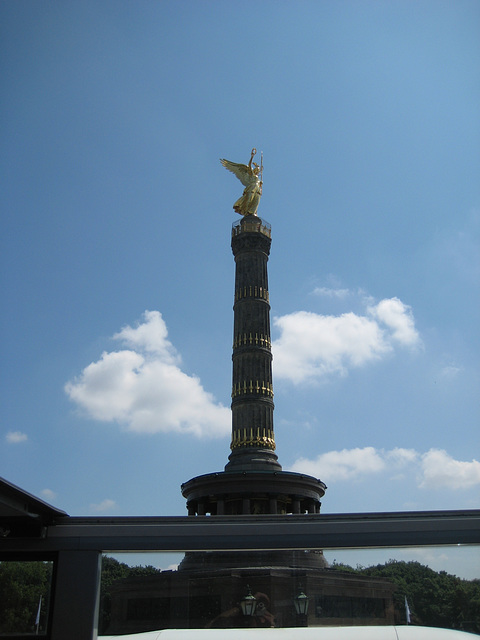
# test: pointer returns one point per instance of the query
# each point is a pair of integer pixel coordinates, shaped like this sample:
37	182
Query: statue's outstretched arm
252	155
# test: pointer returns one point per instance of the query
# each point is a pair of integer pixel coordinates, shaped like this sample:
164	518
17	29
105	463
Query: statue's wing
242	172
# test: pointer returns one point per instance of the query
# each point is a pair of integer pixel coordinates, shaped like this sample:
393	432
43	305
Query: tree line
435	599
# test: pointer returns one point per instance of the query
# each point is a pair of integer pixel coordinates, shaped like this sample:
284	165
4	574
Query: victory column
253	481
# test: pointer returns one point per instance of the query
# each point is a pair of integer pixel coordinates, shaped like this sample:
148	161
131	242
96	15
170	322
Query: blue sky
117	273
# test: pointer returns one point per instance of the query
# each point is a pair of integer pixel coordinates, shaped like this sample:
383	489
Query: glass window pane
286	588
25	595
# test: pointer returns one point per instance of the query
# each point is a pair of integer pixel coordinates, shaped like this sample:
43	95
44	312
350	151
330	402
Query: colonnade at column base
253	492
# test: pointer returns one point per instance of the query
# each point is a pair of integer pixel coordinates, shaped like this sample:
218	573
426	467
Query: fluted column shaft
253	440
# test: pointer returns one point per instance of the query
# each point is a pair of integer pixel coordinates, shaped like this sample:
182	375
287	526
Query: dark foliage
22	584
435	599
113	570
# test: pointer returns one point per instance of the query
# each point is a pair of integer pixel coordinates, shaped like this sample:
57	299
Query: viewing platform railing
252	224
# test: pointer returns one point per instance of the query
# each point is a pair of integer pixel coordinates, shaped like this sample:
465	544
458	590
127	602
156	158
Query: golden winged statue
251	178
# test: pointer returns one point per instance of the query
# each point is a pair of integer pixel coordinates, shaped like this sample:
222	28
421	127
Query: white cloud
151	337
105	505
435	469
426	555
15	437
401	457
144	389
450	371
331	293
313	346
399	319
440	471
48	494
342	465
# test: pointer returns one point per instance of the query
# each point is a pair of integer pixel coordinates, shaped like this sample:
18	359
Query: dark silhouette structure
253	481
209	587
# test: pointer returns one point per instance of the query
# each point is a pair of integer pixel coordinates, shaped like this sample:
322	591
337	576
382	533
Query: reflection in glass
211	590
25	591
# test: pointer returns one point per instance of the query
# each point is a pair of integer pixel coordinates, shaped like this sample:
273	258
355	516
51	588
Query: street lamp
301	607
248	603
